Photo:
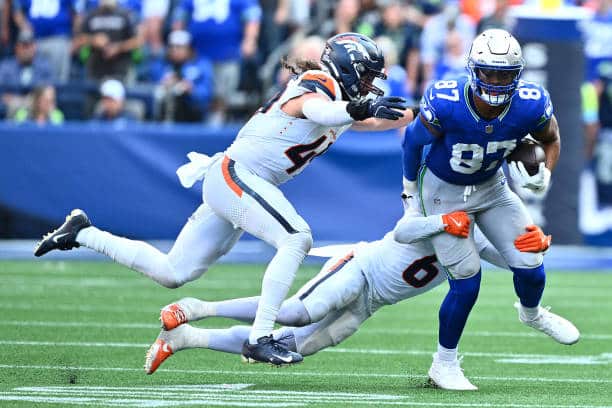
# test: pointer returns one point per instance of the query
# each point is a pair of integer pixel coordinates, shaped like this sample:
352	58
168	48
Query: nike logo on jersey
285	359
58	237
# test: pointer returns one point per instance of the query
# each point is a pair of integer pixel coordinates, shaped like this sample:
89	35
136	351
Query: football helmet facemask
354	61
495	64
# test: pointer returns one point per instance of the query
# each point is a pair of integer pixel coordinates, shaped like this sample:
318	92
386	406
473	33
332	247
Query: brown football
530	153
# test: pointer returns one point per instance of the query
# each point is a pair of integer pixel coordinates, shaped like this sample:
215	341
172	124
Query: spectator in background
225	32
111	107
153	14
185	81
111	36
434	37
498	19
52	22
27	67
5	30
41	108
452	63
396	74
345	18
597	33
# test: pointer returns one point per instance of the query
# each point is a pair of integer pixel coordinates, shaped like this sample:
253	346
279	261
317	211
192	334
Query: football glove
385	107
457	223
538	183
533	241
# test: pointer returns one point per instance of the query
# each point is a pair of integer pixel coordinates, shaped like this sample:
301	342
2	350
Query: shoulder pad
438	99
320	82
535	103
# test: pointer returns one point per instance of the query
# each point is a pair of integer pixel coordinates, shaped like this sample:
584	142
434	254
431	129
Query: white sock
276	283
136	255
196	309
226	340
445	354
529	313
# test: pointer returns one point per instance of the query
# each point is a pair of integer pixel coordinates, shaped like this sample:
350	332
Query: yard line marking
499	355
34	323
160	396
296	373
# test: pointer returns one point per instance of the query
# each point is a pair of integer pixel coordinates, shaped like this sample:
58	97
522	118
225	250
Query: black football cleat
64	237
268	350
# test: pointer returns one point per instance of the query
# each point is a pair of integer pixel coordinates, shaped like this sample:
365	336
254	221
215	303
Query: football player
240	187
346	292
472	124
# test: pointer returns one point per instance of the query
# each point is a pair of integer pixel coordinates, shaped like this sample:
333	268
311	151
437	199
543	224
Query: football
530	153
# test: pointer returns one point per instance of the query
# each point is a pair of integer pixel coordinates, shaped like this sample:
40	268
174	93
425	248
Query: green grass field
75	334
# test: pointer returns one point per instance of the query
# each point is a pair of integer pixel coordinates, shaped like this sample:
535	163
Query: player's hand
533	241
385	107
538	183
457	223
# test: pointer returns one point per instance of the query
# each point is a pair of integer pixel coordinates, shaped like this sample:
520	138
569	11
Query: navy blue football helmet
354	61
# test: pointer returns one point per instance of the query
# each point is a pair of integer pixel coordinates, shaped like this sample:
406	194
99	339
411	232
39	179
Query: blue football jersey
471	148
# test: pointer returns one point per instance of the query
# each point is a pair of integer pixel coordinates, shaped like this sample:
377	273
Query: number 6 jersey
472	148
277	146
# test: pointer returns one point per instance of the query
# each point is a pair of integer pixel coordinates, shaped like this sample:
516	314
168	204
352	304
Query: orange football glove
457	223
533	241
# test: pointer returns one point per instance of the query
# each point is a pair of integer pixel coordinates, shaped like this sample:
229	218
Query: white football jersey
397	271
277	146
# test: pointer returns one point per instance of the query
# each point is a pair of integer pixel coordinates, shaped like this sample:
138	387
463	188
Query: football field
76	333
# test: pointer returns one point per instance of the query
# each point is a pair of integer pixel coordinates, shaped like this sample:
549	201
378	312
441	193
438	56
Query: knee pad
466	268
299	241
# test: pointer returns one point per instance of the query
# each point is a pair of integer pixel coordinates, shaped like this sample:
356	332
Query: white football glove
410	196
538	183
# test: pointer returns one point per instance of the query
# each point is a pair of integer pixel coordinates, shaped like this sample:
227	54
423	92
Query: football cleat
157	354
64	237
268	350
172	316
448	375
560	329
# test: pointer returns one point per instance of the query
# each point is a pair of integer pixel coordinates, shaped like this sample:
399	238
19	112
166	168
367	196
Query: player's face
497	77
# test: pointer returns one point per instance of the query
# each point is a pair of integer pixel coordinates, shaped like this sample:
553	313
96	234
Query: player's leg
260	208
501	224
337	284
460	259
203	239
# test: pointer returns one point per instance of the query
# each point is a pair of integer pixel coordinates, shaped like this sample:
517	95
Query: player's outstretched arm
413	227
380	124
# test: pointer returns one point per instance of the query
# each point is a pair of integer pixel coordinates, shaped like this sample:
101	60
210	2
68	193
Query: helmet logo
352	45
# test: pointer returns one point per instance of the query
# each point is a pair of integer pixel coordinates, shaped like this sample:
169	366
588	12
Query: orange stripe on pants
228	178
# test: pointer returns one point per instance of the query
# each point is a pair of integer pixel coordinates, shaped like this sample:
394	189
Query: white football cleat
560	329
448	375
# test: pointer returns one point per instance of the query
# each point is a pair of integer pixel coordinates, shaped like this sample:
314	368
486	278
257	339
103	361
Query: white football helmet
495	64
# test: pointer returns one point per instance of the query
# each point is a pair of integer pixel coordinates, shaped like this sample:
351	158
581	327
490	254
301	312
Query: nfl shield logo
489	129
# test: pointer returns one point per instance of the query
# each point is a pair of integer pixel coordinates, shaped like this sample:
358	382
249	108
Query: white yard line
255	374
389	331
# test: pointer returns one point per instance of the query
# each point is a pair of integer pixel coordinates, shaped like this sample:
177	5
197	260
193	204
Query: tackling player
346	292
240	187
473	123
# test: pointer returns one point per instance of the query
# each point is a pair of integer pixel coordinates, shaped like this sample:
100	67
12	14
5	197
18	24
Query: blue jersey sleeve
535	104
435	103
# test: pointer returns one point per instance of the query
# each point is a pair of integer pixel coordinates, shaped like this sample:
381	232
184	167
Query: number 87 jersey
471	148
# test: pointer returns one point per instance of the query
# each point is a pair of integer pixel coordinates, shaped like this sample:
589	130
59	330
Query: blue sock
455	309
529	284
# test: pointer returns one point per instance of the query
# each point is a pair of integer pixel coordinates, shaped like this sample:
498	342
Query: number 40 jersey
277	146
471	148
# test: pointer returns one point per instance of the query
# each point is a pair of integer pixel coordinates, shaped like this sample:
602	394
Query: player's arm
376	124
534	240
551	141
413	227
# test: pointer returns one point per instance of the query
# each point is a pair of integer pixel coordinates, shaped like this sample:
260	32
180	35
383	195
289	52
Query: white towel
196	169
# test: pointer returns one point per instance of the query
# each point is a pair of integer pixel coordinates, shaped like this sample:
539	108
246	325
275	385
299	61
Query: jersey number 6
421	272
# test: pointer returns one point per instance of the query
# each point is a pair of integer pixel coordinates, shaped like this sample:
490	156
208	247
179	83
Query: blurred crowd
215	61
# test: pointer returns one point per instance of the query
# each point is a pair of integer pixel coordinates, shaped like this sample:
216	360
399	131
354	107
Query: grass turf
75	334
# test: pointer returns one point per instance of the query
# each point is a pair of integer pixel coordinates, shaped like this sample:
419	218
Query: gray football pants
497	210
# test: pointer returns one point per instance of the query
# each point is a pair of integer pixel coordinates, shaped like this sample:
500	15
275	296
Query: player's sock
240	309
226	340
136	255
276	283
529	285
446	354
455	309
